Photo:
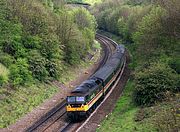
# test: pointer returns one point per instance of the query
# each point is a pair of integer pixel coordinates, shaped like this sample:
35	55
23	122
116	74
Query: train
84	99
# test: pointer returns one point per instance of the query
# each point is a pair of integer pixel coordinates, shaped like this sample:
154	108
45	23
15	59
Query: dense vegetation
154	31
39	41
151	29
39	38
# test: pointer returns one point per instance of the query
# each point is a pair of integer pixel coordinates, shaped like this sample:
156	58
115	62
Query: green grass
123	117
15	103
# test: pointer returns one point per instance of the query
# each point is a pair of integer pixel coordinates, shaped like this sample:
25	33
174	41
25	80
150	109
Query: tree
149	35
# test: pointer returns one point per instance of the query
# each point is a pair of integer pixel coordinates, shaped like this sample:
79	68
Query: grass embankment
14	103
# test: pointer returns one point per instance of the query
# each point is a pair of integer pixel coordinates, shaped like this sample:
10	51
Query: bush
6	59
72	57
19	73
38	65
31	42
54	68
153	82
50	48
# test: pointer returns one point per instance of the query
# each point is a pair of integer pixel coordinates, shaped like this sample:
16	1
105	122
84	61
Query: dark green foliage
153	82
175	64
37	65
10	37
32	42
73	57
6	59
19	73
53	67
50	47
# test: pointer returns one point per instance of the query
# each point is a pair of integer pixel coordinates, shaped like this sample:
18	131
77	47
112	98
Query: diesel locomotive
85	97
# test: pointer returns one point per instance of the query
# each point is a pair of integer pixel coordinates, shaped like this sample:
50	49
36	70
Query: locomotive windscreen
75	99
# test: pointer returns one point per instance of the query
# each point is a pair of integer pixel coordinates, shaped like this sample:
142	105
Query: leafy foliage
149	34
38	65
146	25
19	73
152	83
44	34
6	59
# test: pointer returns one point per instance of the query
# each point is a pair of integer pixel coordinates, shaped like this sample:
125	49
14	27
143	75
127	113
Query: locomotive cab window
71	99
80	99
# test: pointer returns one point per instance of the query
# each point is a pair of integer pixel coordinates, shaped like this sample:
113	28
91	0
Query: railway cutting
56	119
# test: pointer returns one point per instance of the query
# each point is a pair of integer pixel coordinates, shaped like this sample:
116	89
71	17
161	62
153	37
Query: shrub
50	47
153	82
6	59
54	68
38	65
31	42
19	73
72	57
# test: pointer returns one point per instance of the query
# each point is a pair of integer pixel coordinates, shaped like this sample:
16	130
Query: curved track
78	126
56	118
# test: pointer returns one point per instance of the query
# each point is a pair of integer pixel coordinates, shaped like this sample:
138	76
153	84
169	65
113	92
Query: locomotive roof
86	87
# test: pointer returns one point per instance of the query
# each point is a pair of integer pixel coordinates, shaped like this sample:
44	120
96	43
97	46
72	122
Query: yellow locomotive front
76	107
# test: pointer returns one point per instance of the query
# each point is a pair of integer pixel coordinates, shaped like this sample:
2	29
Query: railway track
56	118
